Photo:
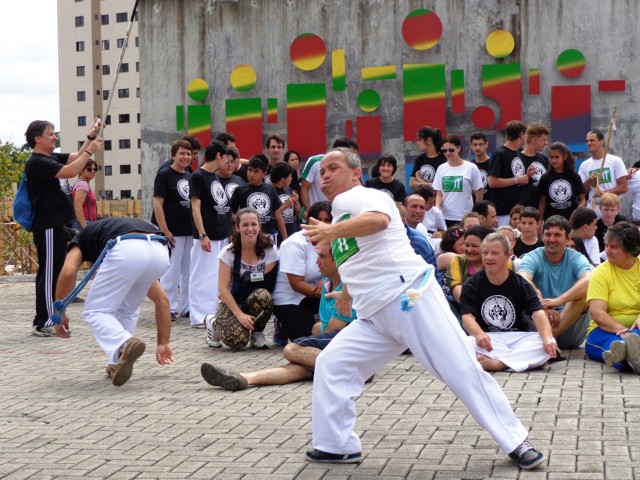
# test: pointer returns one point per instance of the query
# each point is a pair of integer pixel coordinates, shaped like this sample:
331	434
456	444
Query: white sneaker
211	337
258	341
43	331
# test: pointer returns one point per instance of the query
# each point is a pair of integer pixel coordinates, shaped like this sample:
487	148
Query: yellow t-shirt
619	288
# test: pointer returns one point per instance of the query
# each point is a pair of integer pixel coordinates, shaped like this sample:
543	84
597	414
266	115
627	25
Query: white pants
120	286
177	277
203	281
435	338
520	351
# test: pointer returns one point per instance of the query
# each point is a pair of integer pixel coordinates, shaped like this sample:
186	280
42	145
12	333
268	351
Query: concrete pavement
60	417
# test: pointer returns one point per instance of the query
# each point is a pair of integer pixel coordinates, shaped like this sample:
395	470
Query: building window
79	46
125	169
124	68
108	170
137	66
121	17
123	118
81	95
106	70
120	42
98	92
108	120
123	93
105	94
79	71
125	194
137	42
105	45
107	146
139	169
124	144
138	117
104	19
138	92
82	121
80	21
139	143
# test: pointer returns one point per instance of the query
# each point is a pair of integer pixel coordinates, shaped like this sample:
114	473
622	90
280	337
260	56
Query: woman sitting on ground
614	303
246	279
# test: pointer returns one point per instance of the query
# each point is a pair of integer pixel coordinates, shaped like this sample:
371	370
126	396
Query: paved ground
61	418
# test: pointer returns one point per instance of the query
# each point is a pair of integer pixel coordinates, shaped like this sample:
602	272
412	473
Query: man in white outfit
377	265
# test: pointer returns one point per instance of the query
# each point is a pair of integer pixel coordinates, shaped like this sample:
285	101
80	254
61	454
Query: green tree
12	160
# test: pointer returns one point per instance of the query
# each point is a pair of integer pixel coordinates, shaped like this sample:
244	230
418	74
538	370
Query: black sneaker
319	456
527	456
229	381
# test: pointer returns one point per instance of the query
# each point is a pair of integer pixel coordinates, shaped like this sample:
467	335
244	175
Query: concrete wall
185	39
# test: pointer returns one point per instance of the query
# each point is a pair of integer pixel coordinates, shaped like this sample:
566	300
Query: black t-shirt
262	198
288	214
530	196
484	168
395	189
601	229
522	248
427	166
506	163
561	192
499	308
295	180
242	173
173	186
52	205
95	235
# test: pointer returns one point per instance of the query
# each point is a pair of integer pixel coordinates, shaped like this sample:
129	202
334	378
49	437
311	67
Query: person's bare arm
196	203
361	225
78	203
164	352
472	327
497	182
158	203
73	168
66	283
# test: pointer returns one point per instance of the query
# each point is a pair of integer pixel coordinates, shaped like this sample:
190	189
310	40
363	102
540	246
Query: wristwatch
202	235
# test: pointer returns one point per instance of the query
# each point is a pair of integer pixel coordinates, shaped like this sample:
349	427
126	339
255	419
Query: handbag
23	211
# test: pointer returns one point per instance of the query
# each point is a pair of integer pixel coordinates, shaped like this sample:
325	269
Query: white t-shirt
434	220
593	249
633	192
375	268
614	168
227	256
311	174
298	257
457	185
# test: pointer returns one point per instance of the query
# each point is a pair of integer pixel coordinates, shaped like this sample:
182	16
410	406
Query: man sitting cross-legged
302	353
492	305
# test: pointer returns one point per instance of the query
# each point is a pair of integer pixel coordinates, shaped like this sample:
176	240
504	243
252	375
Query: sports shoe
43	331
229	381
174	317
617	353
279	339
258	341
527	456
633	351
211	337
319	456
131	352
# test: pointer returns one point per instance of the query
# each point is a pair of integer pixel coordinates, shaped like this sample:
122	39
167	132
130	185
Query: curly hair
263	242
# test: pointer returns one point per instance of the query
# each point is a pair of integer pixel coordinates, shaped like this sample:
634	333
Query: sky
28	66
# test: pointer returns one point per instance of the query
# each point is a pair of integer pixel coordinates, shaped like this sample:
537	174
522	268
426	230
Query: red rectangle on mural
348	128
534	81
369	130
611	85
307	129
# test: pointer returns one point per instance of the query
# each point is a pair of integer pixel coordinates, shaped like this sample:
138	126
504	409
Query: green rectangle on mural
423	80
301	94
242	108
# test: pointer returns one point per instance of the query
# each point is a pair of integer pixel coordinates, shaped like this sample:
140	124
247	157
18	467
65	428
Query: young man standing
535	162
377	266
482	160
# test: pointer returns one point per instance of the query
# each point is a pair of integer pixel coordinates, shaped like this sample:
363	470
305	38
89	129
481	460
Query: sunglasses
448	150
91	169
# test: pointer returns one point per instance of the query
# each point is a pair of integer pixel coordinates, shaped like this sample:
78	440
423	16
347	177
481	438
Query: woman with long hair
561	190
246	279
84	199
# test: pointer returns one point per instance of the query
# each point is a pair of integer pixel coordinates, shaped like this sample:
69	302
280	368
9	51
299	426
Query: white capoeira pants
435	338
203	281
121	284
177	277
520	351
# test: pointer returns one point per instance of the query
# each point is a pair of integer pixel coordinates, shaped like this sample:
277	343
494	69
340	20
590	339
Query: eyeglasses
91	169
448	150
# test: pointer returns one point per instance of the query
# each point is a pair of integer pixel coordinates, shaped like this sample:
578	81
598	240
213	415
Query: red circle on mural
422	29
308	51
483	117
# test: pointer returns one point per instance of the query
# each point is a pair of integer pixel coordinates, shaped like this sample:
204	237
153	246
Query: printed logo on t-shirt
343	249
560	191
260	202
230	188
517	167
484	177
453	183
218	194
287	213
540	170
606	174
498	312
427	172
183	188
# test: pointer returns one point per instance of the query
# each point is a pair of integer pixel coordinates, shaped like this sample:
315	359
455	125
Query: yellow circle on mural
243	78
500	44
198	89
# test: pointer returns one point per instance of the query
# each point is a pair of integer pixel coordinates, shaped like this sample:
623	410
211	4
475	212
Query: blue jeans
599	341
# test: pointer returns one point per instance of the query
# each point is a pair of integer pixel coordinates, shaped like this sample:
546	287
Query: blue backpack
23	211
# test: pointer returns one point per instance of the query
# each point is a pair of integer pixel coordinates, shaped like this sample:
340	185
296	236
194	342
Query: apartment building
91	34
